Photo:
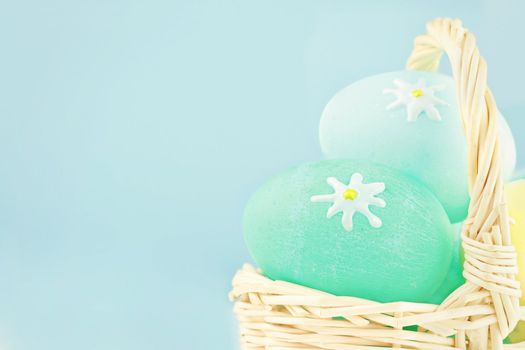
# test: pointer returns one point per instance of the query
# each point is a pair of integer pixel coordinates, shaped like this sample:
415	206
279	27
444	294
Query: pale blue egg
408	120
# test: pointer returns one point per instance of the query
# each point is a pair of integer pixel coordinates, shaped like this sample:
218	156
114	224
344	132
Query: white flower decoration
356	197
417	98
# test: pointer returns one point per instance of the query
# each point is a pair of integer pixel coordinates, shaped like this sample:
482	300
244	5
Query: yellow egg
515	193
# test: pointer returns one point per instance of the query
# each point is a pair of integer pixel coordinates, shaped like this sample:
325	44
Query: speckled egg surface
350	228
408	120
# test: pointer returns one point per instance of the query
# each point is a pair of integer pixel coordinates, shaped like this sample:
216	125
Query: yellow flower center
350	194
417	93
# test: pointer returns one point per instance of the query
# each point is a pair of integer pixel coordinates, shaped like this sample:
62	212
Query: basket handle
477	106
487	221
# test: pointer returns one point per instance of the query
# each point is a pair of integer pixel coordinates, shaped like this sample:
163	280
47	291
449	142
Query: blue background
133	132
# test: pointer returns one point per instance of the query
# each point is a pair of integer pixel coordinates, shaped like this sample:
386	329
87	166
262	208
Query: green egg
454	278
387	238
519	175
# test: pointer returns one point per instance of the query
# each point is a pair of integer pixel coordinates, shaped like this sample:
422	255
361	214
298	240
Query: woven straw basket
279	315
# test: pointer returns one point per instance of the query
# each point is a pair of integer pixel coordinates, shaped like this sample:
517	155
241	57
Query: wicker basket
279	315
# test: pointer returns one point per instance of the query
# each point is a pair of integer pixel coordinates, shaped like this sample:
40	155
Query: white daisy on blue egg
417	98
352	198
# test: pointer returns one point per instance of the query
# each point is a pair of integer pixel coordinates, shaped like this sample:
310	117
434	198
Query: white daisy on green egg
417	98
354	197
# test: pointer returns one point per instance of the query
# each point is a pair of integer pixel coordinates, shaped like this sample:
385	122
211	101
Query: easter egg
519	175
508	149
408	120
352	228
515	195
454	278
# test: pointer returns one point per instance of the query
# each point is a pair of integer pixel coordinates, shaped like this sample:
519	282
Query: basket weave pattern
279	315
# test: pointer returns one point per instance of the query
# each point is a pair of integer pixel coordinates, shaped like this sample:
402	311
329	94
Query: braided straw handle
490	259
